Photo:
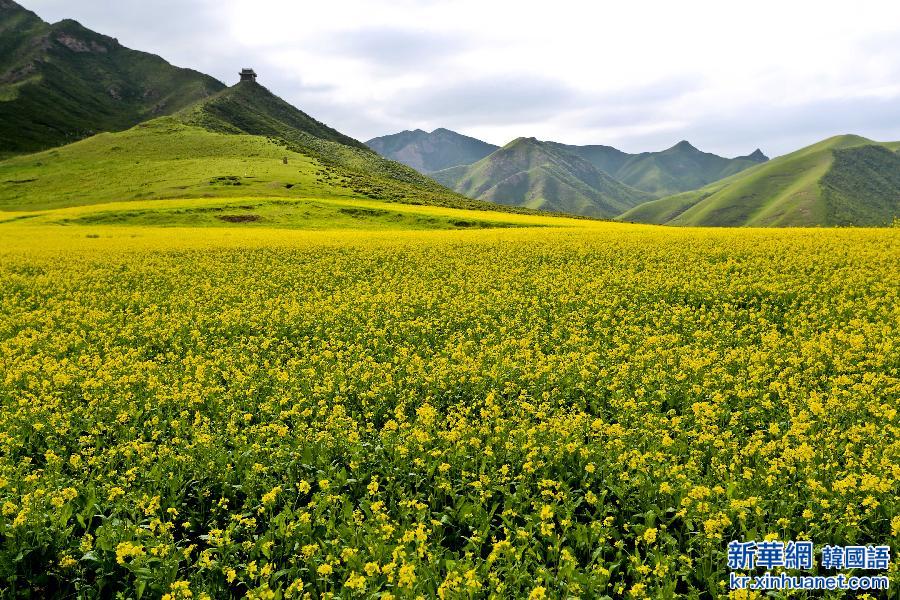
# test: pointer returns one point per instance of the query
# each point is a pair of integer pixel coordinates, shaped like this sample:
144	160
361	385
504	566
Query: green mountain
63	82
430	152
680	168
527	172
250	108
606	158
242	142
843	180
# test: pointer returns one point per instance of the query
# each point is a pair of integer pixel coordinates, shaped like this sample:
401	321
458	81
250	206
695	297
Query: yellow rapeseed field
588	411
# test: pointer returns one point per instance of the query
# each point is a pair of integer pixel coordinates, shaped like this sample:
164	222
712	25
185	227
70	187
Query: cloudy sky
639	75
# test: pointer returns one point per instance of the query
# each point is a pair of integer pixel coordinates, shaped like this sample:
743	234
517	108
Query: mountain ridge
62	82
678	168
251	108
528	172
428	152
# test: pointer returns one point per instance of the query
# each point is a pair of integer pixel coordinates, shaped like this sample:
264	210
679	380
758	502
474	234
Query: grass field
588	410
279	212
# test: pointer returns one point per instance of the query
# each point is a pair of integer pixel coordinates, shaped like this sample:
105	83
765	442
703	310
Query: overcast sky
638	75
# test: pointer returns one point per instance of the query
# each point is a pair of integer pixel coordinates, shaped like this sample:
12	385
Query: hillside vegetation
534	174
281	212
231	145
63	82
250	108
159	159
587	180
844	180
679	168
862	187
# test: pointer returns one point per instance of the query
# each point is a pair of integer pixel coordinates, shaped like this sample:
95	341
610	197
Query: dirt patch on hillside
239	218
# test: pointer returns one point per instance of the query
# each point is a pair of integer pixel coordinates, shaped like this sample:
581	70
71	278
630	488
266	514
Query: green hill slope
606	158
862	187
534	174
682	167
679	168
63	82
250	108
244	141
159	159
843	180
430	152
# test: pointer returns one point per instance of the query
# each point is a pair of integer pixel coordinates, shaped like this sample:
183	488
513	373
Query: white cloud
640	75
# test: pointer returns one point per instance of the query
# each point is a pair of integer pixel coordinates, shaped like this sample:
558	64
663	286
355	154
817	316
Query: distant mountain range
587	180
428	152
63	82
535	174
843	180
677	169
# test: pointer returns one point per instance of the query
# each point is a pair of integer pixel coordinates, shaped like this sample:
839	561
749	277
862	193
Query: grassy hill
862	187
682	167
250	108
843	180
429	152
162	158
679	168
606	158
63	82
534	174
243	141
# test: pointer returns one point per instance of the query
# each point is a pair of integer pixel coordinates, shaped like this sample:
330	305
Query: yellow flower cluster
544	412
